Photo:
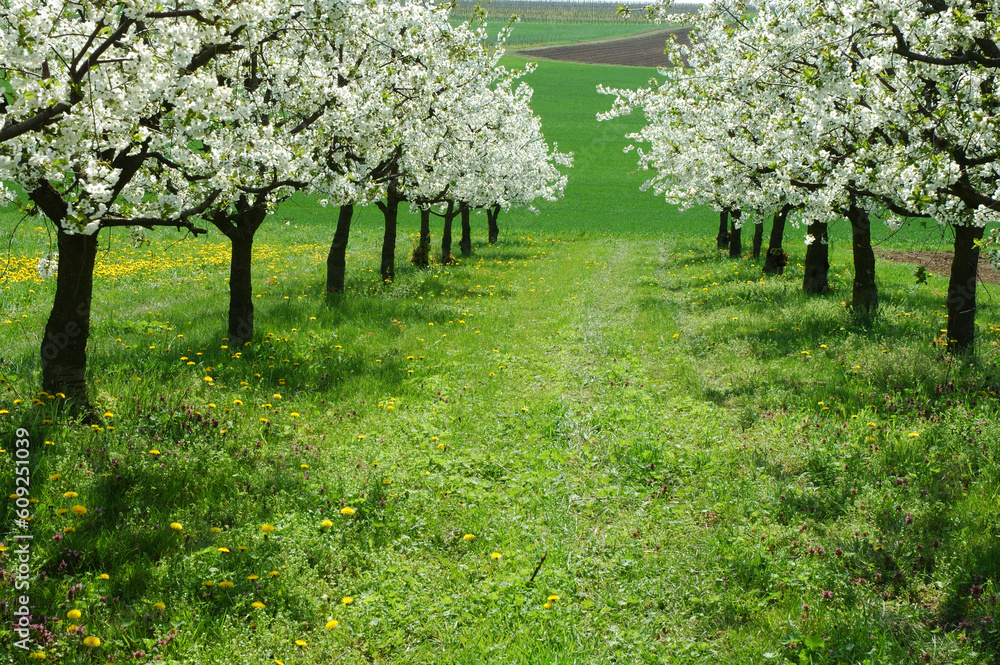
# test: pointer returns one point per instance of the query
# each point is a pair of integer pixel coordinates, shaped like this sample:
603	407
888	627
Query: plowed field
643	51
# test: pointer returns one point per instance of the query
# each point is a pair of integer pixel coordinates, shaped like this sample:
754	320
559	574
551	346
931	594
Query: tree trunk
422	252
449	217
758	237
466	243
777	258
391	211
241	287
64	346
864	297
817	267
336	260
722	240
492	214
962	289
735	235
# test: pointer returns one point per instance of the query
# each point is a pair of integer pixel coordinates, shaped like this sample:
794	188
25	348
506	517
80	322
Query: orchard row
209	113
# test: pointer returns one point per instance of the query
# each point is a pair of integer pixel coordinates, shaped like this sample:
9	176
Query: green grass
534	33
697	453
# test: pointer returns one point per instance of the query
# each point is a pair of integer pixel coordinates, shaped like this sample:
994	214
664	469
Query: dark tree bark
241	231
492	214
722	240
64	343
735	235
64	346
962	289
817	268
422	252
864	296
777	258
466	243
449	217
390	210
336	260
758	237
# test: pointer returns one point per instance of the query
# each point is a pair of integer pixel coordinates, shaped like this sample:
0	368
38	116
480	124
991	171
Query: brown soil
646	50
938	263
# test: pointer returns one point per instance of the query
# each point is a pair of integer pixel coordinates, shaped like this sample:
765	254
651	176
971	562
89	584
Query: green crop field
598	441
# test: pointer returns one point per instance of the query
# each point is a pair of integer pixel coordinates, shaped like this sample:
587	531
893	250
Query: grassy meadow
598	441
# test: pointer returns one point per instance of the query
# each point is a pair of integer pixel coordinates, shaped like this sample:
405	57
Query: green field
703	465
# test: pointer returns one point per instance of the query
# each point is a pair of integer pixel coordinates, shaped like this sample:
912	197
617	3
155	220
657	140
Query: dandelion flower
914	435
224	550
91	641
55	476
347	600
331	624
326	524
301	643
547	606
273	573
347	510
154	451
252	577
79	510
267	528
215	529
73	615
467	537
176	526
70	495
496	555
258	605
553	598
226	584
105	576
159	606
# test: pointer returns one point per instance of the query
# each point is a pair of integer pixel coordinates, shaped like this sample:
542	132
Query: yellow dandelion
347	510
267	528
226	584
257	604
331	624
467	537
73	615
347	600
159	606
105	576
303	466
69	529
301	643
553	598
224	550
547	606
326	524
208	583
55	476
91	641
70	495
176	526
108	414
35	655
496	556
294	414
215	529
914	435
154	452
238	402
252	577
273	573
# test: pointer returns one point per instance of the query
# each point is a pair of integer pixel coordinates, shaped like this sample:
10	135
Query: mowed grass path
715	467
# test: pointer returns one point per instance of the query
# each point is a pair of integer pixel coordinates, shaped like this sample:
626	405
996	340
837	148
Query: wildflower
326	524
267	528
226	584
105	576
55	476
108	414
154	452
347	510
159	606
258	605
914	435
273	573
303	466
224	550
238	402
70	495
38	655
91	641
294	414
301	643
176	526
208	583
347	600
496	556
73	615
215	529
331	624
252	577
553	598
547	606
467	537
